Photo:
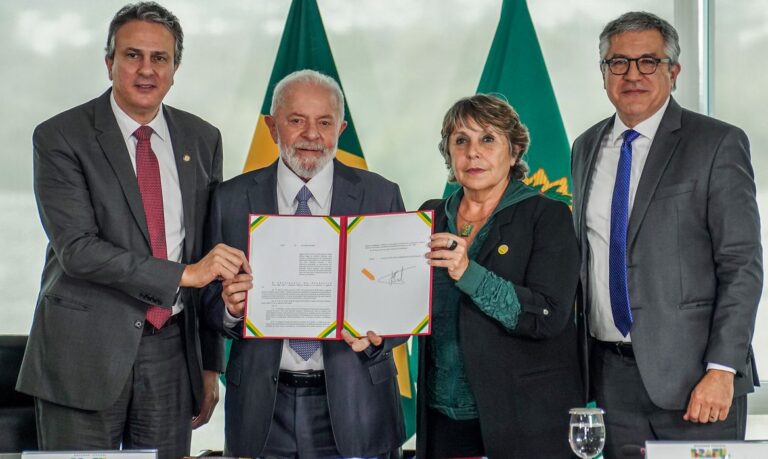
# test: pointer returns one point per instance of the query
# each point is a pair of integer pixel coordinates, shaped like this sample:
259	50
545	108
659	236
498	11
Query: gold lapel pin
186	158
503	249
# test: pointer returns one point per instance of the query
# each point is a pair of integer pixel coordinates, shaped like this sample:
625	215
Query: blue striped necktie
304	347
617	258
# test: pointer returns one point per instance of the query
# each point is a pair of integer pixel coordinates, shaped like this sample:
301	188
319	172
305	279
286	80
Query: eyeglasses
645	65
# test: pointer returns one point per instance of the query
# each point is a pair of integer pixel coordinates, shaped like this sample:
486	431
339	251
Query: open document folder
314	276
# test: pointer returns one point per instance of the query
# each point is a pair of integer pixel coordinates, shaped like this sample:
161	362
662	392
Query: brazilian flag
302	46
515	69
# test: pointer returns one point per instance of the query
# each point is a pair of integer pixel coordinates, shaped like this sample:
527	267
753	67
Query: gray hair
309	77
637	21
146	11
487	111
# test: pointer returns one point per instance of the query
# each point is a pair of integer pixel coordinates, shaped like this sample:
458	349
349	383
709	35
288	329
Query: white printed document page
388	280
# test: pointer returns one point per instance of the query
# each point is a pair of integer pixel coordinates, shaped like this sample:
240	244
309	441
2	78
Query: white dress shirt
169	178
288	186
598	219
598	215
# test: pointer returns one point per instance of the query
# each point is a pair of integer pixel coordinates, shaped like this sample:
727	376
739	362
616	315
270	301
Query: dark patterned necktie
304	347
148	175
617	258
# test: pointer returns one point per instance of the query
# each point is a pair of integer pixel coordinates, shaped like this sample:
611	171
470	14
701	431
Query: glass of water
587	432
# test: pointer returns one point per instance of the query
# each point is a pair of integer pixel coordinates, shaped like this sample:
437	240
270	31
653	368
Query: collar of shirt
647	128
289	184
128	125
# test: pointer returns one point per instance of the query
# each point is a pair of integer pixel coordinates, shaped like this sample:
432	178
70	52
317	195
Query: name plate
703	450
120	454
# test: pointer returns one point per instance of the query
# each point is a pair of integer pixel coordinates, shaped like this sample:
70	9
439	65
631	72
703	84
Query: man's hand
361	344
233	293
210	398
222	262
711	398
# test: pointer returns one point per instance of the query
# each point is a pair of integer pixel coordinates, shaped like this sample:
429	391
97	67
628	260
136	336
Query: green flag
515	69
303	46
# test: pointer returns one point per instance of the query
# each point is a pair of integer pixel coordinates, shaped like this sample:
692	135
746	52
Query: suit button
274	379
138	324
545	312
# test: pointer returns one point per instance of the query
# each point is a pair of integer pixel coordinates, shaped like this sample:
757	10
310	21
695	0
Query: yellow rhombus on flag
304	45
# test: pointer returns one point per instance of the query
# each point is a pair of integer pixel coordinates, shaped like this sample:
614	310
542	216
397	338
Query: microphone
633	450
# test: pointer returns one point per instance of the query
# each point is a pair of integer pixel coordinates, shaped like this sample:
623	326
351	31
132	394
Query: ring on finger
453	244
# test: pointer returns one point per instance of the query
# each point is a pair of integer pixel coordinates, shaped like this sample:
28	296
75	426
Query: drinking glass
587	432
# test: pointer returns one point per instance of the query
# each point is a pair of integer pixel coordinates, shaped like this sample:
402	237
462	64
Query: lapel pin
503	249
186	157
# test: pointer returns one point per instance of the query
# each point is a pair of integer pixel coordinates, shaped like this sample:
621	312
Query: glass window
739	97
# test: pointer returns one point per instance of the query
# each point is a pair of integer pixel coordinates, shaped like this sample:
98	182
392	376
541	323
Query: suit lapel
663	148
181	140
262	194
493	239
592	148
113	145
347	195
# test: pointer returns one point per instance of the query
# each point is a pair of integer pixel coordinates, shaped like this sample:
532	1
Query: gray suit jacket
693	252
363	396
99	275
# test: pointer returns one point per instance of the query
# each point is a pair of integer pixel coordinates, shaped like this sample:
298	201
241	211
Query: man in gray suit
115	355
300	398
665	210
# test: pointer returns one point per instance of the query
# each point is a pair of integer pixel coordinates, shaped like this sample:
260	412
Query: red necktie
148	175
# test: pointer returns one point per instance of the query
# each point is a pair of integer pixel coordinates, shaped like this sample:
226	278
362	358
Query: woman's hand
448	251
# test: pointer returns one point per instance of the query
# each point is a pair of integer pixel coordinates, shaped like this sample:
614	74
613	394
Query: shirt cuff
717	366
231	321
471	279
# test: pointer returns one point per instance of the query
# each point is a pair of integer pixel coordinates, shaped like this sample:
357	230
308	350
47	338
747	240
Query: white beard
305	168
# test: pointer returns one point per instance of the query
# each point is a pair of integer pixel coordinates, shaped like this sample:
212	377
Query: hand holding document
314	276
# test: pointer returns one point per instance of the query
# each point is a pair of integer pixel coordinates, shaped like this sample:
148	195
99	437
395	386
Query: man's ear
674	71
272	125
342	127
109	62
604	75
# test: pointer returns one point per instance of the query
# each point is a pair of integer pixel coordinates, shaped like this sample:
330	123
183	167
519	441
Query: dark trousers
154	409
631	418
448	438
301	425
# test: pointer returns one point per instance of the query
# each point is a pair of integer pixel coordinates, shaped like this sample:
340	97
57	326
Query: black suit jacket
99	275
694	258
525	381
363	396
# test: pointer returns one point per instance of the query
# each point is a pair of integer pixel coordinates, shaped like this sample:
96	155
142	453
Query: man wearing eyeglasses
665	210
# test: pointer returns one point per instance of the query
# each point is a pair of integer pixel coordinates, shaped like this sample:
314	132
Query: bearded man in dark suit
293	398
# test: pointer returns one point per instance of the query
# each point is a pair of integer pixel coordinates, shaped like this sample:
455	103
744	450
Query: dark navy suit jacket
363	396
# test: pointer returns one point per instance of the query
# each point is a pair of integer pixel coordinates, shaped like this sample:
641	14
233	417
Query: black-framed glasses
646	65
